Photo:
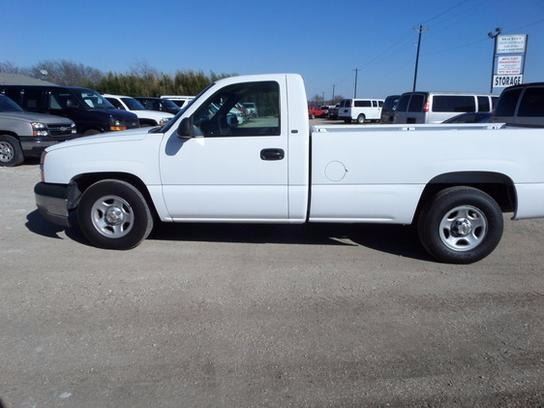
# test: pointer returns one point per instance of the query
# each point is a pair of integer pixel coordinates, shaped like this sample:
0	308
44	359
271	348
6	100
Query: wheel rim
7	152
463	228
112	216
361	119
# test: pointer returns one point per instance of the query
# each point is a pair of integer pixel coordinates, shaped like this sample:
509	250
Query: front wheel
460	225
113	214
11	153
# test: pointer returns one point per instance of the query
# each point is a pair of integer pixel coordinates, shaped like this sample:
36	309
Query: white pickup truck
453	181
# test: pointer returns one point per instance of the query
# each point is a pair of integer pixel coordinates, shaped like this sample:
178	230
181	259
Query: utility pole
420	31
323	97
355	87
493	35
332	100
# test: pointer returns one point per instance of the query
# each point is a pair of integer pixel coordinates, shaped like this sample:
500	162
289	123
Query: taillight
426	107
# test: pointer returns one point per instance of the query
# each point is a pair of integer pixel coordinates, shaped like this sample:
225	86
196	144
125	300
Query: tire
11	153
114	214
361	119
460	225
312	116
91	132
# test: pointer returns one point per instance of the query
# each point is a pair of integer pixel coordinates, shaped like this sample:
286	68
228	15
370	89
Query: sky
322	40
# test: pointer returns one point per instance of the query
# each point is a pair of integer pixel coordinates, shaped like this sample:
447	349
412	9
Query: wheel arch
498	185
9	133
79	183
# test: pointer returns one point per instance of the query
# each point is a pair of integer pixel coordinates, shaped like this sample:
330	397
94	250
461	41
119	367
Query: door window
403	103
116	103
453	103
532	103
59	99
31	100
508	102
416	103
362	104
224	114
483	104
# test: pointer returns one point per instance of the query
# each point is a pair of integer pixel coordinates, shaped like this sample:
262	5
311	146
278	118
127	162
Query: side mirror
185	129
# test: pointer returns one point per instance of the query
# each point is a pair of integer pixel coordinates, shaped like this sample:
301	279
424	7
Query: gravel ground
274	316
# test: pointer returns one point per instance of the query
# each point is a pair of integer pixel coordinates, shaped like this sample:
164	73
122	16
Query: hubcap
6	152
463	228
112	216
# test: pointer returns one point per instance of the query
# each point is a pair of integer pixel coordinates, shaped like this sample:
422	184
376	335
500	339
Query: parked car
315	112
158	104
521	105
90	111
286	172
333	112
180	100
388	109
436	107
361	110
25	134
146	117
473	117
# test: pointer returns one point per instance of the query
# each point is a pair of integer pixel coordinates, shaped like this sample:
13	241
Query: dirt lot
278	316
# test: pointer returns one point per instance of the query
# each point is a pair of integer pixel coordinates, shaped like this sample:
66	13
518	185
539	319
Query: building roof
19	79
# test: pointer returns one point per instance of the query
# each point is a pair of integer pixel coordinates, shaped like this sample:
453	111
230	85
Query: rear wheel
460	225
11	153
361	119
113	214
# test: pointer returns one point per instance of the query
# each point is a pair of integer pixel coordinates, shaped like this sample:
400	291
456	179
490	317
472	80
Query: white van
361	110
436	107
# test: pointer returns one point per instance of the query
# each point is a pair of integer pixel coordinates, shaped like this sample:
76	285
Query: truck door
235	169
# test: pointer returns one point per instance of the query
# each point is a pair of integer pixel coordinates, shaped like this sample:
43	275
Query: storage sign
509	60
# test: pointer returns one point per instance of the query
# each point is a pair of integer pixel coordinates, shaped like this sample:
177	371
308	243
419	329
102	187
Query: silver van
521	105
436	107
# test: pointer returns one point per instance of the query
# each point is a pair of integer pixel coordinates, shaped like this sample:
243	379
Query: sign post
509	60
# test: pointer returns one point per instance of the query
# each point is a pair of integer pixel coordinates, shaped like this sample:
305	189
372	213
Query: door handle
272	154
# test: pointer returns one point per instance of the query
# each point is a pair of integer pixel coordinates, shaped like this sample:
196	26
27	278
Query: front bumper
34	146
52	202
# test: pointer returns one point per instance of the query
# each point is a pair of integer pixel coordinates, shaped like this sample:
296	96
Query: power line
442	13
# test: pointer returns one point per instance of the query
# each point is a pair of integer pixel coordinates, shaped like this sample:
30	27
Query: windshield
133	104
171	122
167	103
92	99
7	105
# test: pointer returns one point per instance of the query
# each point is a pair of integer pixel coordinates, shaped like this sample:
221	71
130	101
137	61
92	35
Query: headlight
116	125
39	129
73	128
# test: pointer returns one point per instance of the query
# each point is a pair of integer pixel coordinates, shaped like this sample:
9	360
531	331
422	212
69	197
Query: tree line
140	80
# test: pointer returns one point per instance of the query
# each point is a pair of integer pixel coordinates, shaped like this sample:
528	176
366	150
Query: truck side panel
377	173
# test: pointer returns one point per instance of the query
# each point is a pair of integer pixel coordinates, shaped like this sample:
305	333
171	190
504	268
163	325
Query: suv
145	116
521	105
388	109
361	110
158	104
91	112
436	107
24	134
